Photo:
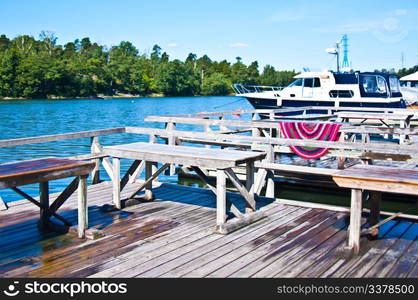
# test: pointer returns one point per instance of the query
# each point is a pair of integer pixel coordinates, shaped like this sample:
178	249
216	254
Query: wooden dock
174	237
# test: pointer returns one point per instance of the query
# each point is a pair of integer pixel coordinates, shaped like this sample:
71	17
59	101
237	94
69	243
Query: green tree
216	84
177	79
126	69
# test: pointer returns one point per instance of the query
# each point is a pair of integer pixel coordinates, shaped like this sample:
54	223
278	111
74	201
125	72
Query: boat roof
313	74
410	77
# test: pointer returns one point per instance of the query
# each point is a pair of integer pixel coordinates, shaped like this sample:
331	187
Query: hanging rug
310	131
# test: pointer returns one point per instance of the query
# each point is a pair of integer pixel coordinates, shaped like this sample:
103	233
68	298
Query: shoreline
106	97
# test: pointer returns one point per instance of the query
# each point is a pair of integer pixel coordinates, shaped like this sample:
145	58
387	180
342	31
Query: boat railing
245	88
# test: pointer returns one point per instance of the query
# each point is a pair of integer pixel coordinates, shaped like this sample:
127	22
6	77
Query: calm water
42	117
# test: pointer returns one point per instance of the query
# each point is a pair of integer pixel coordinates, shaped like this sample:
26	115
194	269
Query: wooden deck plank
414	271
280	235
303	248
198	240
405	264
343	264
174	205
228	240
121	231
372	256
279	249
173	237
217	250
394	253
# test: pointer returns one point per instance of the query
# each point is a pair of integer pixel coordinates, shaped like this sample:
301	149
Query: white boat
368	89
409	88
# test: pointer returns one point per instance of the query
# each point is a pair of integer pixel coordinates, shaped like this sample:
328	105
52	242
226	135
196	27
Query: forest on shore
41	68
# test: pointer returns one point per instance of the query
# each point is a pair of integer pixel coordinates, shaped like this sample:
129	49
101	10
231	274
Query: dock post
44	201
250	183
270	174
82	206
95	148
220	198
375	200
355	221
149	166
116	182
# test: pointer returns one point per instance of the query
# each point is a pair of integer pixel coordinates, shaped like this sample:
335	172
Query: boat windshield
394	84
374	84
297	82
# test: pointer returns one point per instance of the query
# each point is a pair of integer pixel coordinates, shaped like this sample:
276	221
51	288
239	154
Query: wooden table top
379	173
185	155
43	169
373	115
379	178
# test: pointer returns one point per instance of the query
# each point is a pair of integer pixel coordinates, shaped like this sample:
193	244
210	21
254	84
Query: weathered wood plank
43	169
249	197
59	137
220	197
355	221
391	257
116	182
149	177
195	255
44	202
184	155
244	255
82	206
231	243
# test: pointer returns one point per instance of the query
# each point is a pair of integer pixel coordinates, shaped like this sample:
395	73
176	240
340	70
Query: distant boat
409	88
95	98
368	89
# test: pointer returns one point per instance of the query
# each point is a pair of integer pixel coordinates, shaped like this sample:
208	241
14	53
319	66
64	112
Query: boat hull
260	103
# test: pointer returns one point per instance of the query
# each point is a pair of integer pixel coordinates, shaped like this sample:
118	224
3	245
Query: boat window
341	93
297	82
308	82
317	82
381	85
374	84
394	84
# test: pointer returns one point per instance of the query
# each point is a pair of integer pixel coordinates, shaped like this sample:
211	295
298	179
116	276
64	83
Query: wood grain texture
378	178
173	237
44	169
184	155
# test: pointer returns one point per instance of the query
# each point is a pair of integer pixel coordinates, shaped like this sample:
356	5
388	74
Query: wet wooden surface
22	168
44	169
379	178
173	237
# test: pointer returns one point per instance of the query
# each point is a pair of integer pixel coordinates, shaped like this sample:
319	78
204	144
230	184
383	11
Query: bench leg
375	200
270	185
250	183
44	201
149	166
82	206
116	182
355	221
220	198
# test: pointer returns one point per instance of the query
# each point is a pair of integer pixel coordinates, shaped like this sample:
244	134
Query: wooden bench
221	160
403	118
376	179
42	171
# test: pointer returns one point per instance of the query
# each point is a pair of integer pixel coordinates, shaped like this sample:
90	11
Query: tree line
41	68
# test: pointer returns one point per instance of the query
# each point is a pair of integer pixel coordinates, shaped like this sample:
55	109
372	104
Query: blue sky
285	34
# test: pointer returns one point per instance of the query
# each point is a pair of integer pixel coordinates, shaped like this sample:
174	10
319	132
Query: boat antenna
336	51
344	42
